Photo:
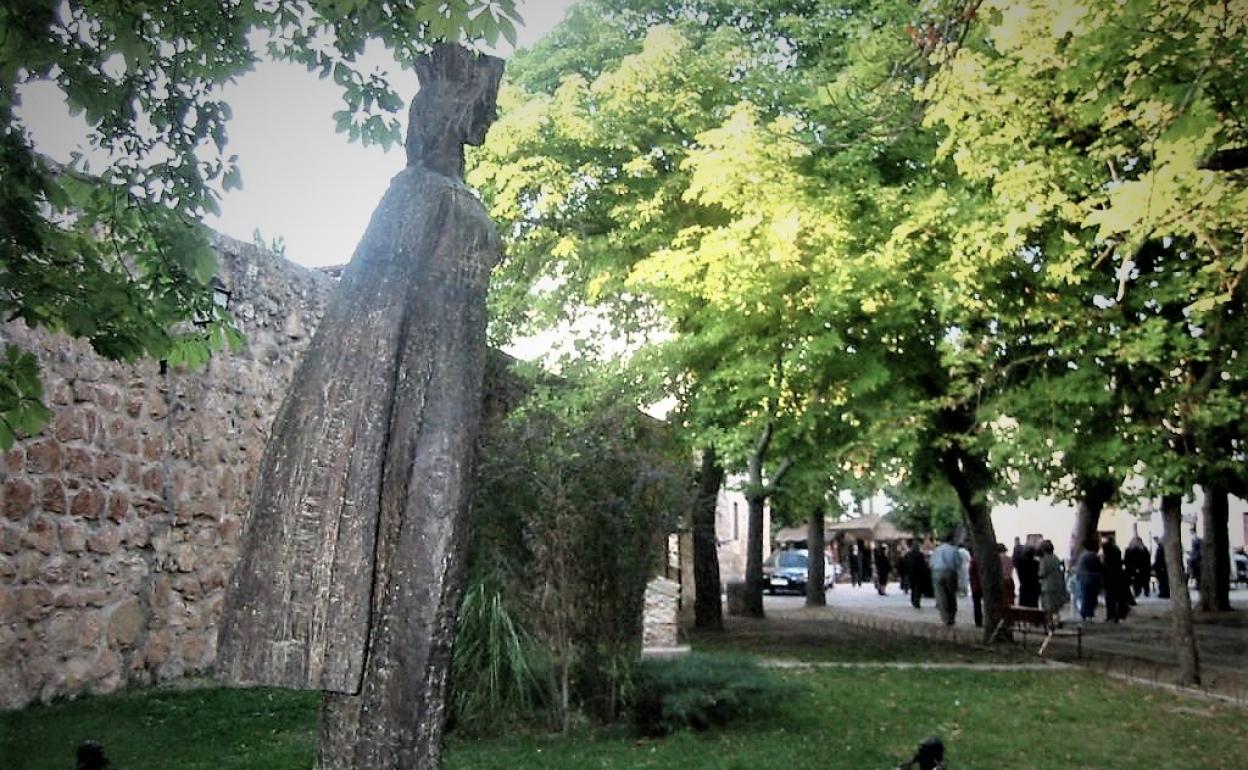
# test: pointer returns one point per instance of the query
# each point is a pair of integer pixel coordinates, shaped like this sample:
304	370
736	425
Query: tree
1105	134
114	252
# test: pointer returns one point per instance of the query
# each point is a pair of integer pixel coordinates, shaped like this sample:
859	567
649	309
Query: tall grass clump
499	673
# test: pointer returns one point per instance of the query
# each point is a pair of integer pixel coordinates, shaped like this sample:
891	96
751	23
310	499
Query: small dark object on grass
91	757
930	755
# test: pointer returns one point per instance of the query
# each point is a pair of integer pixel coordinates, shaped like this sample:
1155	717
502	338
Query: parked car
788	570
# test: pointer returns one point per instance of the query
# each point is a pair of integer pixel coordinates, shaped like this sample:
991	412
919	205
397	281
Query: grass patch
210	728
830	718
829	641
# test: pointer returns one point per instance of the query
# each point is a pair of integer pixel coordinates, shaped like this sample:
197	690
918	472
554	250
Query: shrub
701	691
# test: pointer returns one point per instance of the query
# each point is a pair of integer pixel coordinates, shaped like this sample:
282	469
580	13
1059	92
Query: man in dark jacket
916	569
1028	568
1135	561
1115	582
882	568
1159	570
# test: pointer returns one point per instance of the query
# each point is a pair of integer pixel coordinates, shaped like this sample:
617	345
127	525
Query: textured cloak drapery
359	506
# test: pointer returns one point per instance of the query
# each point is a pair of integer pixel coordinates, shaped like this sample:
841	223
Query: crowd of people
1032	575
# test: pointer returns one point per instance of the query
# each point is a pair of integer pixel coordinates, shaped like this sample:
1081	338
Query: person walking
1135	561
1116	589
915	565
977	593
1007	572
1194	560
1159	569
855	566
946	563
903	568
1091	576
1028	567
882	568
1052	578
964	575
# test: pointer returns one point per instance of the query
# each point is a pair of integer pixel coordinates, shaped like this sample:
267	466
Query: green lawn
843	718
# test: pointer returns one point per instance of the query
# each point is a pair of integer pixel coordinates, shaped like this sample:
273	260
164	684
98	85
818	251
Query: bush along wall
576	494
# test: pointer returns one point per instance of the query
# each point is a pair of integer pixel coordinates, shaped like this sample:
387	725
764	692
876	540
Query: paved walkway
1140	647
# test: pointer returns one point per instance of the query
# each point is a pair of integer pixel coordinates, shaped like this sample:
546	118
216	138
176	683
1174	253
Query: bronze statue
349	579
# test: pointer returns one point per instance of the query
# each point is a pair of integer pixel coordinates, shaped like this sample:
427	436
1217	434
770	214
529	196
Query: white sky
301	181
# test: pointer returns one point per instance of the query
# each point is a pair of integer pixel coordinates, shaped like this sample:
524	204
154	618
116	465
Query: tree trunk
1180	599
756	494
1215	569
708	612
1088	516
816	576
971	479
756	500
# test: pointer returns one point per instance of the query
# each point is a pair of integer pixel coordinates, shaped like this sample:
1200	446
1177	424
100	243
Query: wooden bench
1025	619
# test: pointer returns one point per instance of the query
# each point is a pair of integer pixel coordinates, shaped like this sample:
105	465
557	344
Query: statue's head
456	105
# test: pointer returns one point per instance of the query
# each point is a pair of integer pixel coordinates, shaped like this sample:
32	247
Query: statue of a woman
348	579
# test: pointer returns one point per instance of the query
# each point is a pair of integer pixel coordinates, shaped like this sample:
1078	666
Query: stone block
107	666
107	397
73	535
154	479
108	466
80	462
230	528
28	562
61	394
41	535
134	473
43	457
194	650
105	539
159	647
134	534
77	423
134	407
123	437
10	538
118	505
189	586
185	557
150	506
19	498
153	448
126	623
14	460
88	503
32	602
56	570
52	496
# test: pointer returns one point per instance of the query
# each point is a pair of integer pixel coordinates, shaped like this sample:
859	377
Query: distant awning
871	527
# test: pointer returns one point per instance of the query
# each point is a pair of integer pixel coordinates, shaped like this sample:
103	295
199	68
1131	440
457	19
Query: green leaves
22	412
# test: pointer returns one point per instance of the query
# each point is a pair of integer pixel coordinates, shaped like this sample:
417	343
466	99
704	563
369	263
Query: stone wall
119	523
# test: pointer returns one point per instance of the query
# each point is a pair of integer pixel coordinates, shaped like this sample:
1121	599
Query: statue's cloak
365	457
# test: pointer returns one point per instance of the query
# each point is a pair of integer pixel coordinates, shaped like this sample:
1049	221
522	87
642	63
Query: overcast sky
301	181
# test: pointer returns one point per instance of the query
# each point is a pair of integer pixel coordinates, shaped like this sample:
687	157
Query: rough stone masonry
119	522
